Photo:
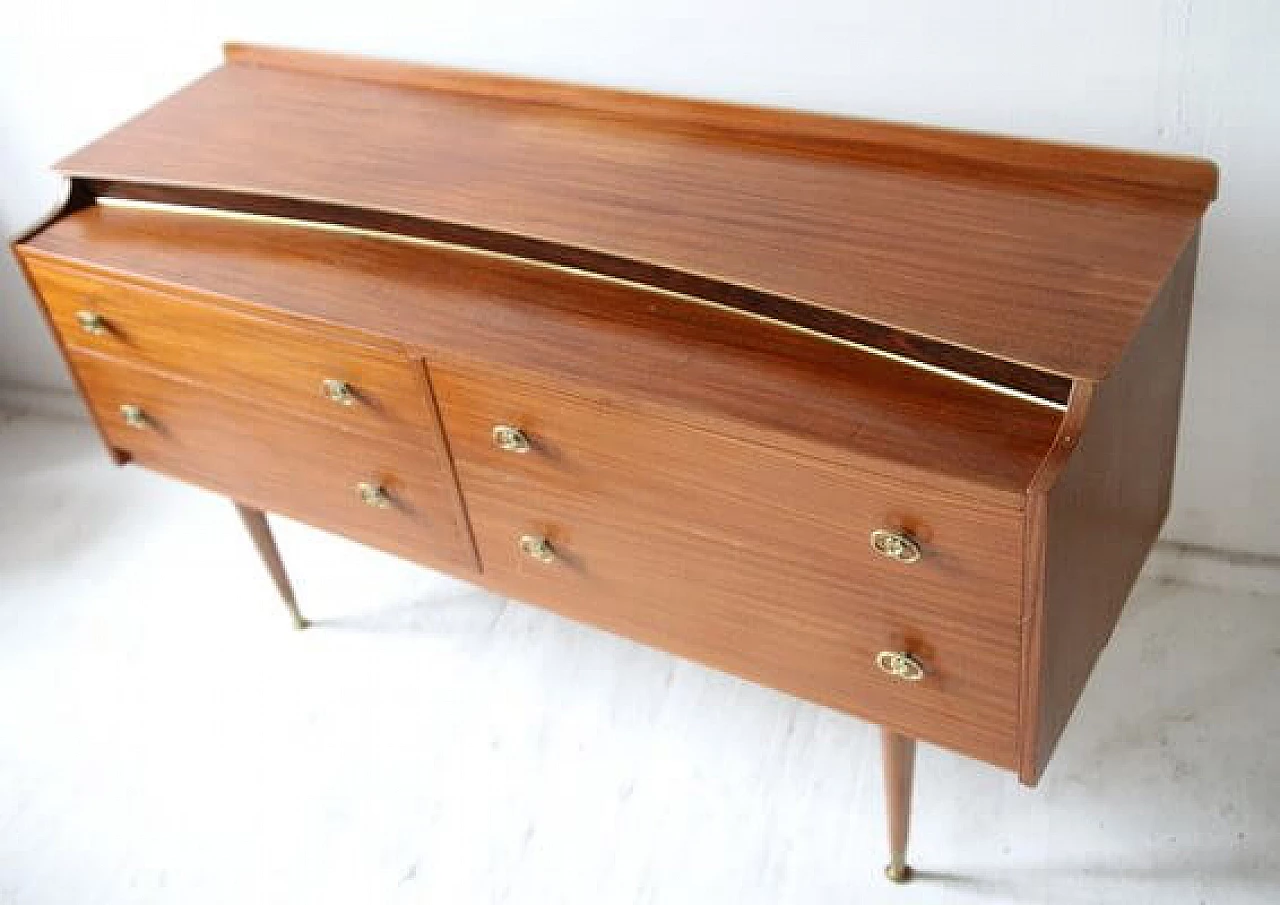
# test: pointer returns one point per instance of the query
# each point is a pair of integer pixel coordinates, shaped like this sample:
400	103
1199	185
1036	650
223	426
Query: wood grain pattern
657	522
756	616
836	324
265	361
1106	172
1103	513
674	300
1055	281
1035	551
748	499
703	365
302	468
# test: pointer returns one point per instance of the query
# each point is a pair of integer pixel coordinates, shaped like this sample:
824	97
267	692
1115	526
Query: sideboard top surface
1041	254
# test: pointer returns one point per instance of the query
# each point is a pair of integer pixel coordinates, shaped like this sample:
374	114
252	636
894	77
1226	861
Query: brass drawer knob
537	547
92	322
373	495
337	391
135	417
900	665
895	545
510	439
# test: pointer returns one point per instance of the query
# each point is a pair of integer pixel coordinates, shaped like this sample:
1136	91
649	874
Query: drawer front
744	557
753	615
296	466
273	364
754	500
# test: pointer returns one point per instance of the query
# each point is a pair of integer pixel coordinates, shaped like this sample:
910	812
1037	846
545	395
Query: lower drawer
389	495
751	614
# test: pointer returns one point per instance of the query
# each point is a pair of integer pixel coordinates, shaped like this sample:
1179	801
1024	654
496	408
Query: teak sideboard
881	416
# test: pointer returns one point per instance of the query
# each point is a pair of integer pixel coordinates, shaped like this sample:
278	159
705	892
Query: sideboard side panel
1105	510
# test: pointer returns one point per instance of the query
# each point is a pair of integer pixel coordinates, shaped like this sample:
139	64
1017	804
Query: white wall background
1199	76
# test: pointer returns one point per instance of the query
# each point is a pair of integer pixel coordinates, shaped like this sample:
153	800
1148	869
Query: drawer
745	498
271	363
296	466
747	612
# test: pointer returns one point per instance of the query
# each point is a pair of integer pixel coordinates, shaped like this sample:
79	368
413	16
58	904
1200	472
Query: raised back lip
1160	178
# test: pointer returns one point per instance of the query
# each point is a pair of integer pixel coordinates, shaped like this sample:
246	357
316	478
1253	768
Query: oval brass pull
537	547
900	665
135	417
373	495
92	322
510	439
895	545
338	391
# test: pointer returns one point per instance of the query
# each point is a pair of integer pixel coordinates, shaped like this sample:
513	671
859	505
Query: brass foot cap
898	873
300	623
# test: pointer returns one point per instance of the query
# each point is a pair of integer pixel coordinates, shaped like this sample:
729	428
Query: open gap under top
993	373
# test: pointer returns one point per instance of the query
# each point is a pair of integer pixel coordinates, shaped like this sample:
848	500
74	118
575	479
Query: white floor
166	737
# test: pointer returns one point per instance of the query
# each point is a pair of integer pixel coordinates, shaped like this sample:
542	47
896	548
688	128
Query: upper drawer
742	495
300	370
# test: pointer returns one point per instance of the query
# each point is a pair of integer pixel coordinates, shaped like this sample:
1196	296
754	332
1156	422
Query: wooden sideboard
881	416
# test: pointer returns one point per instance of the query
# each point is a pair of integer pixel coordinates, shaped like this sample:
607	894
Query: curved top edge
1182	181
1040	386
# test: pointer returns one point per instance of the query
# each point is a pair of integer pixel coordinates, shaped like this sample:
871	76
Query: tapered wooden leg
256	521
899	753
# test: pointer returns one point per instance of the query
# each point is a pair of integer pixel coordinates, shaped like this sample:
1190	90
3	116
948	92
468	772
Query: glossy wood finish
737	340
753	301
756	615
628	466
1071	169
707	366
238	354
1106	498
255	522
899	755
306	469
891	236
